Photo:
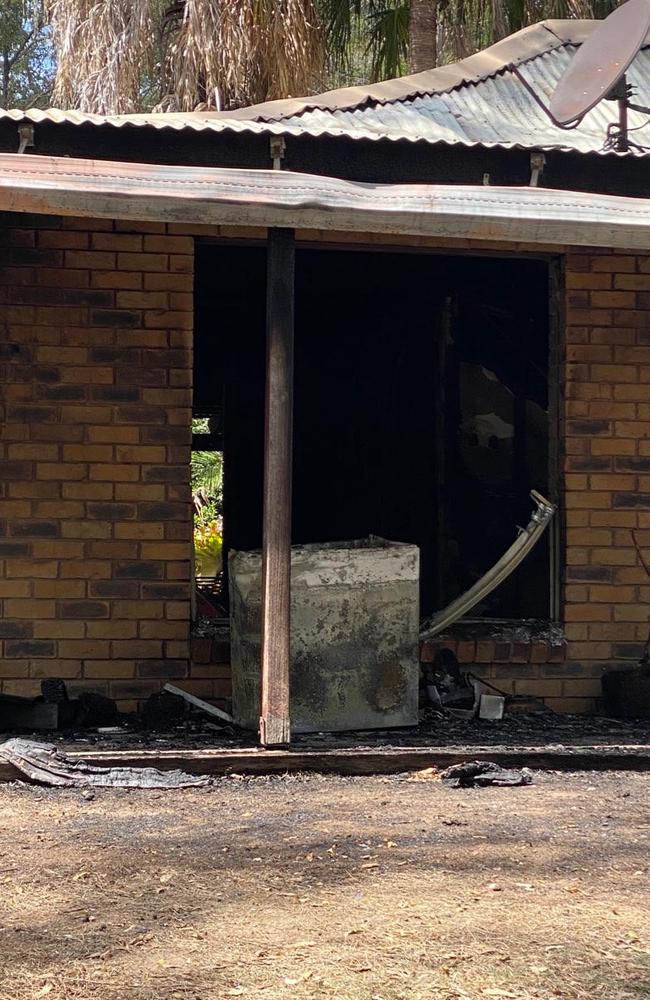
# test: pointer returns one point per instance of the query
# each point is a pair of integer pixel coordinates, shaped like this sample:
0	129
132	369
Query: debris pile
481	773
47	765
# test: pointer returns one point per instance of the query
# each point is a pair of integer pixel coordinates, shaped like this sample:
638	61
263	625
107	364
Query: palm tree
423	35
216	53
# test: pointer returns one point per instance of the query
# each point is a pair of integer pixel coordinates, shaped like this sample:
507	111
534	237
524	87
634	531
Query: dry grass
358	889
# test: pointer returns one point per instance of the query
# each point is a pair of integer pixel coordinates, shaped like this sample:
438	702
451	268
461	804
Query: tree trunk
422	35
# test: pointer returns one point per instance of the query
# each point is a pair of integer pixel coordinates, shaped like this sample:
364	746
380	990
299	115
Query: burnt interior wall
421	399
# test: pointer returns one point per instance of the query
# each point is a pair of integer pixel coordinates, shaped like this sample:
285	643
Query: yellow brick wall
95	505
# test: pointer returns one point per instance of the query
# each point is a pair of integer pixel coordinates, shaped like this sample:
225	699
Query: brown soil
393	888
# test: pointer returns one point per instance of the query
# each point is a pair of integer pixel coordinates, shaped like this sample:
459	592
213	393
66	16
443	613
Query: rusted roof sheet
475	102
219	196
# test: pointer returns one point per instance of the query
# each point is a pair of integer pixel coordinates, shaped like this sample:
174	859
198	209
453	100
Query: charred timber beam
275	727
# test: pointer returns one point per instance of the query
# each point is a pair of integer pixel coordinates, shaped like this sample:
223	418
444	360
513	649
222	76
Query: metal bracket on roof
278	149
26	137
537	164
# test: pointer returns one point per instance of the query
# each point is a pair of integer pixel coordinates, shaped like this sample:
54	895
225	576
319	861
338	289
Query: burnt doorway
421	405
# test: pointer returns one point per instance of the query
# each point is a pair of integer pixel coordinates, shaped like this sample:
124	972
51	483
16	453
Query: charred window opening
421	405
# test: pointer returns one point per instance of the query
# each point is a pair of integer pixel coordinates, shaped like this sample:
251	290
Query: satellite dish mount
597	73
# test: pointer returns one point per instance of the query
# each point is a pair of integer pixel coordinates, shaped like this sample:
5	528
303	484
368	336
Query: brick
35	529
163	669
84	648
140	492
167	591
112	511
65	589
67	669
178	650
592	463
16	630
12	549
141	415
101	628
15	470
87	452
142	299
141	376
110	669
93	259
163	512
169	244
23	688
113	435
166	474
86	414
629	500
87	529
86	569
59	630
614	373
613	446
109	549
29	647
134	530
141	262
116	279
114	588
114	473
138	609
165	550
163	630
632	428
139	570
116	241
117	317
177	282
83	609
616	263
87	491
136	690
580	280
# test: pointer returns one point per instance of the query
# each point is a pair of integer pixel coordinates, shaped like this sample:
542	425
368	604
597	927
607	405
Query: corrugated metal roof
496	111
476	102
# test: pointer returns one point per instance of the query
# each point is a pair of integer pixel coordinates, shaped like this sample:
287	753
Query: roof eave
266	198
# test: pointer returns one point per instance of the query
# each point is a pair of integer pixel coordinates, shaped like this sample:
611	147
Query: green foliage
207	490
26	55
207	475
364	39
208	548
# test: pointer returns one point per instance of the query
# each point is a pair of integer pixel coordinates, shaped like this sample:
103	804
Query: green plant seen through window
207	495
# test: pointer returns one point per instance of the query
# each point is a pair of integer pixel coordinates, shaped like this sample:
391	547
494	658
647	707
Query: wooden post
276	554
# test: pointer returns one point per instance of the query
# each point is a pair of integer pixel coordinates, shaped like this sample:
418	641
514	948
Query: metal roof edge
238	197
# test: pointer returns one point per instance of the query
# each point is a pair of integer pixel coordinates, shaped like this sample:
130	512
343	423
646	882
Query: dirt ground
381	888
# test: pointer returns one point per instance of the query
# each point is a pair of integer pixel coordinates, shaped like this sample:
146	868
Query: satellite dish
601	62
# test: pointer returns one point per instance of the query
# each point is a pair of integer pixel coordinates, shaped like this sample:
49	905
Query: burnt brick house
472	321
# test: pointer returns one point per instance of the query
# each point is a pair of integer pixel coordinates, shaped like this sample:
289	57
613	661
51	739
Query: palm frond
226	53
101	46
388	38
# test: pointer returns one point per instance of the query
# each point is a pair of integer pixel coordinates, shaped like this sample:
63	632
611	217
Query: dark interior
421	405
